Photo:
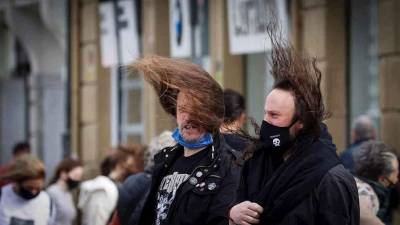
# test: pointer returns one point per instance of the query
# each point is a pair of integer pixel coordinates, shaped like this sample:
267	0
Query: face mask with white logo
275	138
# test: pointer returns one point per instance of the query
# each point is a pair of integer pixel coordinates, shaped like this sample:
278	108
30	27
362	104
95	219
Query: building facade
356	44
65	88
33	78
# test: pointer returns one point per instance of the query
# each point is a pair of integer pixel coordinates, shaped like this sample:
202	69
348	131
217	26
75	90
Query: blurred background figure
377	165
133	192
98	197
234	119
19	149
66	179
363	130
23	201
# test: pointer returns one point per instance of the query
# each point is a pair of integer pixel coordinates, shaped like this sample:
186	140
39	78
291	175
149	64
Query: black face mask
72	184
27	194
275	138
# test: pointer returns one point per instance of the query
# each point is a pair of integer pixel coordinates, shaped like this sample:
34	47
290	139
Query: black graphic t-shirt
178	173
17	221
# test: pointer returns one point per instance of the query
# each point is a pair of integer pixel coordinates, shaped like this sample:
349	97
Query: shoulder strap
51	205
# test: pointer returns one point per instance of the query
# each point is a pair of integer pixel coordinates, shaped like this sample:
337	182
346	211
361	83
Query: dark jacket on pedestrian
383	193
132	195
236	141
347	155
206	196
310	187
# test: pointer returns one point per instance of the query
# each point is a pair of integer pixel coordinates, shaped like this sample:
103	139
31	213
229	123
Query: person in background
66	179
133	192
377	165
363	130
98	197
20	149
23	202
234	120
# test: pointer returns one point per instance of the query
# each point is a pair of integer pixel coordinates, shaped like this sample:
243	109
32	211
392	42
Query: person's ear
298	125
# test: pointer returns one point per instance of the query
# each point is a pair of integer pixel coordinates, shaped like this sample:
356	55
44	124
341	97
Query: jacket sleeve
97	209
225	198
337	197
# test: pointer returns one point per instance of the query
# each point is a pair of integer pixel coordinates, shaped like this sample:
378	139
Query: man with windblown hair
293	175
195	181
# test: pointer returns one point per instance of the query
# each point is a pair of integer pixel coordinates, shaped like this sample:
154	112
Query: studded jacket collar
205	179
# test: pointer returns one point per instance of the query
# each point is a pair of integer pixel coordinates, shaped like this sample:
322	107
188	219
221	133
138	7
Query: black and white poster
248	20
119	38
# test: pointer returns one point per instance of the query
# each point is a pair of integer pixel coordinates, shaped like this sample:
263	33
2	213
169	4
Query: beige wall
321	26
227	69
90	85
389	71
155	41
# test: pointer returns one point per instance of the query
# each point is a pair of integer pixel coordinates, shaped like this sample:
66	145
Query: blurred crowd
115	196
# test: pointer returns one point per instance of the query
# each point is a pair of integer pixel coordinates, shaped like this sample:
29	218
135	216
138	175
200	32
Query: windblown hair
298	74
171	76
27	167
374	159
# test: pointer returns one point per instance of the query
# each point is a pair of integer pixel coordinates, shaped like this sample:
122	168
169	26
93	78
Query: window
363	79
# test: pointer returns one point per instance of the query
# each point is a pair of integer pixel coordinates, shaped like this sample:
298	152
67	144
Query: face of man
279	110
190	132
30	188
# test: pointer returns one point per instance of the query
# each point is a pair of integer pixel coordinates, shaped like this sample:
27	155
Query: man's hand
245	213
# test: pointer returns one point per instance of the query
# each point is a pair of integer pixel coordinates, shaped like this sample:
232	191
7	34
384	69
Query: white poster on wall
119	37
108	37
180	28
248	20
128	31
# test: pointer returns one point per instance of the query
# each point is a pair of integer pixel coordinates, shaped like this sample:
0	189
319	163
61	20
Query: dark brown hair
234	105
66	165
298	74
21	148
120	155
170	76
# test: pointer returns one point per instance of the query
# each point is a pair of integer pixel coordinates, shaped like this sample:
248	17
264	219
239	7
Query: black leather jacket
206	196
